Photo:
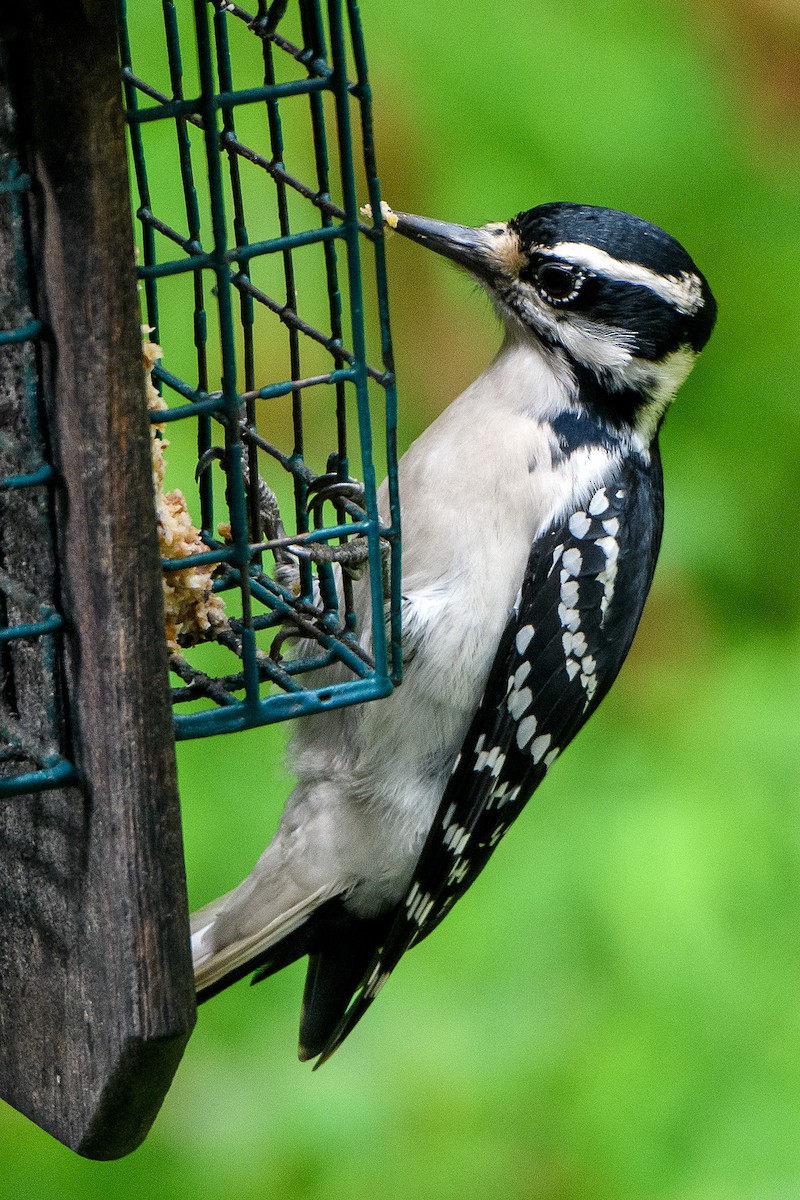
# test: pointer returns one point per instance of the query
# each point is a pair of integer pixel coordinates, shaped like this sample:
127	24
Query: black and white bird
532	515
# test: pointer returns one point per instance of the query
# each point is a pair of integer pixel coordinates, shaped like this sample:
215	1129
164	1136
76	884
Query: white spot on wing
569	589
375	982
458	872
521	674
599	503
456	837
570	618
519	701
574	644
579	524
491	759
610	547
589	683
539	747
419	905
525	731
572	560
523	638
497	794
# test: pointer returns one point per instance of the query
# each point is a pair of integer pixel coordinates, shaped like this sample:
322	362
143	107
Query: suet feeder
262	290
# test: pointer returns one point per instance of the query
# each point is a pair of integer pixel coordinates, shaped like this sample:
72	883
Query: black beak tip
462	244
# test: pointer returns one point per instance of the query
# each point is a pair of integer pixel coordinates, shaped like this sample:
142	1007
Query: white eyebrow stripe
683	291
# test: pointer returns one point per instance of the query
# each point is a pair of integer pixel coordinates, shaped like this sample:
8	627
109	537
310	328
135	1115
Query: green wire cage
252	233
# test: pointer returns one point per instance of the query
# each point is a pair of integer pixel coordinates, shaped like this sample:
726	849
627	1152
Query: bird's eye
558	282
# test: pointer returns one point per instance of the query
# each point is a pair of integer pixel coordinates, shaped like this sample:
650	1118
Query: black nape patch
574	430
616	410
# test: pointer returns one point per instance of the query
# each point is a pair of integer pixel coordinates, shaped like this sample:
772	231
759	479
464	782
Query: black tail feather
340	947
334	974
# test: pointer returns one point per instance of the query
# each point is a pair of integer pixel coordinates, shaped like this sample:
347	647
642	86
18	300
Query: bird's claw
213	454
330	487
269	510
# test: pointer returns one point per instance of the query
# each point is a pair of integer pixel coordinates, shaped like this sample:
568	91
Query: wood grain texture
96	993
27	680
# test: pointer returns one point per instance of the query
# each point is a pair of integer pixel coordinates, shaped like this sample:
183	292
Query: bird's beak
475	249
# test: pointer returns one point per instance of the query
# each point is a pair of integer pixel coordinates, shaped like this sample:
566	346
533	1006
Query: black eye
558	282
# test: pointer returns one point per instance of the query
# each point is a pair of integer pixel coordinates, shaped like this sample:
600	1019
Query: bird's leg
352	555
270	523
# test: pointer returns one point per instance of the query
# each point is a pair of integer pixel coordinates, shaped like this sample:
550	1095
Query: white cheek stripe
683	291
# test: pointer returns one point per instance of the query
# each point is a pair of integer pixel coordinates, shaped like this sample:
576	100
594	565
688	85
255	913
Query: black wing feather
581	599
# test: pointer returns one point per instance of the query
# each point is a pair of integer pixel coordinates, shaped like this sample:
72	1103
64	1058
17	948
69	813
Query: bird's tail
340	947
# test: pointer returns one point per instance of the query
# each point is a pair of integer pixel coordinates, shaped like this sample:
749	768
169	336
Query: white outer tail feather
211	964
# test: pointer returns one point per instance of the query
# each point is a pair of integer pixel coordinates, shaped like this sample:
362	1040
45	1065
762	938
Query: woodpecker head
616	299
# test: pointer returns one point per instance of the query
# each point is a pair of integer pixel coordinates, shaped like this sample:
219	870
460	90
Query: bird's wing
576	614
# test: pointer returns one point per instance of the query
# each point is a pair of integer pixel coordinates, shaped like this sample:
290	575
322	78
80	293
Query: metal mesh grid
246	269
31	732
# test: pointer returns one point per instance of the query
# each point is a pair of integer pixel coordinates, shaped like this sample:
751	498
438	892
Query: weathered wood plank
26	681
96	995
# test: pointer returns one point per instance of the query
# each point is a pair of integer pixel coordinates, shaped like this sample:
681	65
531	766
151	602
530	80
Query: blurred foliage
613	1012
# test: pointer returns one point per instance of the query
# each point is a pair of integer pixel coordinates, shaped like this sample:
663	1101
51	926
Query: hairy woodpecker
532	515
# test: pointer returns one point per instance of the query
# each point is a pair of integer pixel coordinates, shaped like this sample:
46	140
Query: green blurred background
613	1012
